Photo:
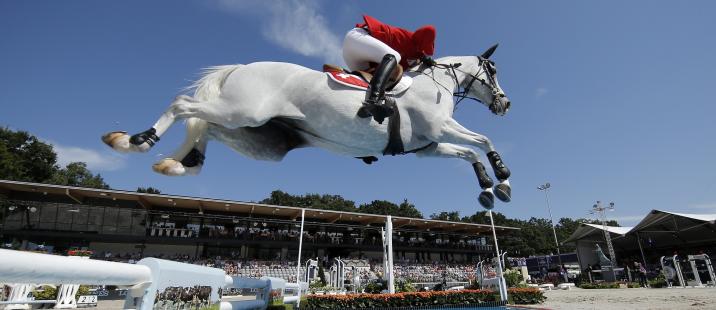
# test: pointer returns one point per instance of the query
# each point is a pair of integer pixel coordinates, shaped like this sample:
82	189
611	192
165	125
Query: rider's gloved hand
428	61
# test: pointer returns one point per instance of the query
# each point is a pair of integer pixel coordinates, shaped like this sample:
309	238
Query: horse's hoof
487	200
170	167
119	141
503	192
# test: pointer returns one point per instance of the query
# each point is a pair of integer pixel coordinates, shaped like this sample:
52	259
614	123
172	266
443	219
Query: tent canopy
657	229
594	231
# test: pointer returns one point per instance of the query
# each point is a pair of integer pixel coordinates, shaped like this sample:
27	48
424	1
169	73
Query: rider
387	46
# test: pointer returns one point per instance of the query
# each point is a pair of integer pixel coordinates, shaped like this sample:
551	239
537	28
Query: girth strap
395	143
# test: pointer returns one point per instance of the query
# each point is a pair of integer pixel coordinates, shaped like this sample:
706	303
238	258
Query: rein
461	95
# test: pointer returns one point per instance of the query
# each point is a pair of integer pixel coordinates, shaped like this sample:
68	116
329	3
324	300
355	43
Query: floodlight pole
599	209
545	188
298	264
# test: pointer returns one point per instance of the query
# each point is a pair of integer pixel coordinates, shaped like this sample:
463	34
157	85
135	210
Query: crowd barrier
150	283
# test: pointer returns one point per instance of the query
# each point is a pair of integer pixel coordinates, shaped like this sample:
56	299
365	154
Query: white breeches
360	48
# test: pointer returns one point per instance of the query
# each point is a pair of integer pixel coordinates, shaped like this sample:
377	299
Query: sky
611	100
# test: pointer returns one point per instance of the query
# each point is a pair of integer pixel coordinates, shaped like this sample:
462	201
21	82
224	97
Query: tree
384	207
148	190
77	174
23	157
315	201
408	209
453	216
338	203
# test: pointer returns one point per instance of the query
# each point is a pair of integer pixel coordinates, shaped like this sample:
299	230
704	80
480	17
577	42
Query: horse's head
482	84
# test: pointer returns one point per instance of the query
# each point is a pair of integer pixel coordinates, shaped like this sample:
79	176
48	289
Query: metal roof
662	228
150	201
661	218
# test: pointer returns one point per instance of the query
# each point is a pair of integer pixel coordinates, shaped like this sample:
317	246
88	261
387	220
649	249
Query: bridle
484	65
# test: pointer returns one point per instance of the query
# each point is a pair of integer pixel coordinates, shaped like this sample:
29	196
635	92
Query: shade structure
658	233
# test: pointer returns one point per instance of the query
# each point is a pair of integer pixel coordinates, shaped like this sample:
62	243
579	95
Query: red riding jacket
410	45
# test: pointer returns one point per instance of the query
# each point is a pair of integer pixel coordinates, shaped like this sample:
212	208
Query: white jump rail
28	267
144	280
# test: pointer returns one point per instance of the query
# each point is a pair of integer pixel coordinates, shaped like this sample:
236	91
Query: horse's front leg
453	132
448	150
181	107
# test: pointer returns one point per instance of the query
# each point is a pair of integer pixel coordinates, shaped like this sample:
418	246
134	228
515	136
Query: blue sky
611	100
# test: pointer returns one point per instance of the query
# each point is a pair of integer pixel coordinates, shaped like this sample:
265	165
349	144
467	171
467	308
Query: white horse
265	109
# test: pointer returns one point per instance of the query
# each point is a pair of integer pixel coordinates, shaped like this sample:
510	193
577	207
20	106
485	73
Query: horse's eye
492	69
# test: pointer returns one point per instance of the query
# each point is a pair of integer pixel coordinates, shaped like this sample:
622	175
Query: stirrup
379	112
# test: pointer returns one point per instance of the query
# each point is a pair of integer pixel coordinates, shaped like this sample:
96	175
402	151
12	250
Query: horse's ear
489	51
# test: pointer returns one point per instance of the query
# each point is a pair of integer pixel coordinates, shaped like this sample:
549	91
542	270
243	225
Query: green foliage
148	190
384	207
82	290
633	285
338	203
316	201
375	287
23	157
535	236
513	278
77	174
602	285
658	282
526	296
404	287
453	216
45	292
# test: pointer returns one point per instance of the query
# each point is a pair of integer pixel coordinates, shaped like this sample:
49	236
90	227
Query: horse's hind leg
181	107
486	198
188	159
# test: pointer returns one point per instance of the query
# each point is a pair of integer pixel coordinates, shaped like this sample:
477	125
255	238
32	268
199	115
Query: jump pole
298	264
503	286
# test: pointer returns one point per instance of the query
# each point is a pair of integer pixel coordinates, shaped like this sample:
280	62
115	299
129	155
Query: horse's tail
206	88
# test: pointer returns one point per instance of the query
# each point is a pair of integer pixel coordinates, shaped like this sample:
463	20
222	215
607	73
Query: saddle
398	84
360	79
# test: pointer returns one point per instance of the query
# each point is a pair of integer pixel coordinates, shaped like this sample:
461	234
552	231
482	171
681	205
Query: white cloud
294	25
541	91
95	160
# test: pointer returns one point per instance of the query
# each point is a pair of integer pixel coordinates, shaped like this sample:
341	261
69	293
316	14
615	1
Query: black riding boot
372	105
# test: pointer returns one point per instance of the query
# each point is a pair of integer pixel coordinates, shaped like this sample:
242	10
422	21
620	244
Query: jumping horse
265	109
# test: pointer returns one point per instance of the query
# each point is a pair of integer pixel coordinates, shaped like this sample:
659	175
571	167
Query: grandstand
247	239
